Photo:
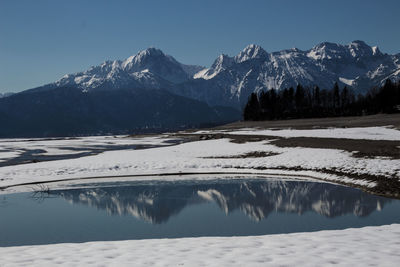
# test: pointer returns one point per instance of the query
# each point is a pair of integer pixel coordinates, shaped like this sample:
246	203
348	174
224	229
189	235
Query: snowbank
367	133
372	246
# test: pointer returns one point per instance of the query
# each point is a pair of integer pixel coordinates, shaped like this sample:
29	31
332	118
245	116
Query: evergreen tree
344	100
299	99
252	110
387	97
336	97
317	98
307	103
291	98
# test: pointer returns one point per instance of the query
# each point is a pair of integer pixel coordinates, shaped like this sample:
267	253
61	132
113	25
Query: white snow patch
349	82
375	50
372	246
204	157
397	72
202	74
5	155
367	133
12	148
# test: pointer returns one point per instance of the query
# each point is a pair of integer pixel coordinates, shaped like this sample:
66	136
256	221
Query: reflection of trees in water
156	203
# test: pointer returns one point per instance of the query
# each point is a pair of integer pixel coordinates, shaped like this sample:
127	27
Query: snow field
372	246
202	157
12	148
366	133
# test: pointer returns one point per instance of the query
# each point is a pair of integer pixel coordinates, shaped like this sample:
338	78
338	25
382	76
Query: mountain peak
230	80
326	46
355	49
376	51
359	43
142	56
222	60
251	51
151	51
325	50
220	64
361	49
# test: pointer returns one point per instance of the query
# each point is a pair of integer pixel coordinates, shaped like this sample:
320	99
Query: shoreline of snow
182	177
373	246
361	133
204	157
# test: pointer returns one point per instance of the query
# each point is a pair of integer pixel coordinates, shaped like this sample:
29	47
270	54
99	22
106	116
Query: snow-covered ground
6	154
12	148
366	133
378	246
369	246
219	155
204	157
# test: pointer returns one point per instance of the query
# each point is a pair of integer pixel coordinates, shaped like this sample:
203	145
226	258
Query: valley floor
364	154
363	157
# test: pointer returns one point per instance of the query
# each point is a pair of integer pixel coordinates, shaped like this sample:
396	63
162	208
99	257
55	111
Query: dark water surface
160	209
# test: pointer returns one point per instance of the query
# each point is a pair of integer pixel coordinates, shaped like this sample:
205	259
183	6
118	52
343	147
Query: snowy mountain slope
150	68
356	65
230	80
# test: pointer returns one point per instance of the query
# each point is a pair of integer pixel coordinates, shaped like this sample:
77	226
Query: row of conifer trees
304	102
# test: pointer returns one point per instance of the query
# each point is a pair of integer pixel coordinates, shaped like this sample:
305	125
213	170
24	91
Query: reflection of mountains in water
156	203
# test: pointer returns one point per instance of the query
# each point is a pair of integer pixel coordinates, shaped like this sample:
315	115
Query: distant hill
67	111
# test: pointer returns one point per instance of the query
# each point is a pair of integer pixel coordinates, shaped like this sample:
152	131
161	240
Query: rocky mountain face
150	68
230	80
155	82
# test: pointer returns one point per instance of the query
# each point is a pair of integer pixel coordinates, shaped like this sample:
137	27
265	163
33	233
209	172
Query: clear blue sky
40	41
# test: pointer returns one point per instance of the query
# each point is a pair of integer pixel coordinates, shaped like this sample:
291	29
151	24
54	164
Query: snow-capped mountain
232	79
150	68
152	90
113	98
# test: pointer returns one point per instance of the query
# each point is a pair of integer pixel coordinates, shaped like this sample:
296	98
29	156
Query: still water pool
160	209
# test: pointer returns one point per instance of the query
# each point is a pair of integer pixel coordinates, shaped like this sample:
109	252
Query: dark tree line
314	102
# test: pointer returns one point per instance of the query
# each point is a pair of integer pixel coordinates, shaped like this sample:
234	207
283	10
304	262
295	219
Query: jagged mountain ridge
230	80
175	95
355	65
149	68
